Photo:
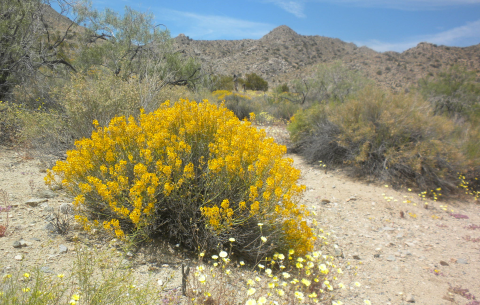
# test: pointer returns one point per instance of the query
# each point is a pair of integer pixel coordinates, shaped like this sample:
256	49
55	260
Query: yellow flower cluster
186	154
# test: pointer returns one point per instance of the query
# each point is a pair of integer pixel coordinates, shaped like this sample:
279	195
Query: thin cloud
294	7
465	35
206	27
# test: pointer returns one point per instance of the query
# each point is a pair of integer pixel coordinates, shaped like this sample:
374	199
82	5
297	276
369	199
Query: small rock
400	235
462	261
338	252
62	249
391	258
160	283
66	208
50	228
56	187
17	244
46	194
410	244
410	298
333	187
351	199
33	202
129	254
388	229
165	265
376	255
325	201
46	269
378	249
356	256
18	257
443	263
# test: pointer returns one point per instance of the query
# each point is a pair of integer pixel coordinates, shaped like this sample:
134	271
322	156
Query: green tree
255	82
29	45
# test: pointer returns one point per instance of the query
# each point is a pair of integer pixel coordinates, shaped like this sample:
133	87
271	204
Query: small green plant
97	277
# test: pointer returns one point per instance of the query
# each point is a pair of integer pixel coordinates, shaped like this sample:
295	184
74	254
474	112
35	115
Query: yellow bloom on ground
299	295
367	302
251	302
251	291
223	254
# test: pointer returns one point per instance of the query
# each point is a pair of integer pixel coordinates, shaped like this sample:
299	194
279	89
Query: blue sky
383	25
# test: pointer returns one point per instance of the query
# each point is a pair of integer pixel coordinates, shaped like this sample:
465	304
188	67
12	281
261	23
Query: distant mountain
283	55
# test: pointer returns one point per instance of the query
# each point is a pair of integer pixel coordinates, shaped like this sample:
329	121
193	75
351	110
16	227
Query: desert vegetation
157	148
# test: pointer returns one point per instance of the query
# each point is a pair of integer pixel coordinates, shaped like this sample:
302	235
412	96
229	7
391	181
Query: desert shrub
393	137
240	104
455	91
255	82
99	96
282	88
329	82
192	173
40	128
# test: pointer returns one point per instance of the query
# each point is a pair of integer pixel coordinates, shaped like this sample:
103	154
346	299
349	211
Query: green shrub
40	128
255	82
282	88
455	91
193	173
393	137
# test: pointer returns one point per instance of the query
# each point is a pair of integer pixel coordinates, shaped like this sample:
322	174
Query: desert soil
401	252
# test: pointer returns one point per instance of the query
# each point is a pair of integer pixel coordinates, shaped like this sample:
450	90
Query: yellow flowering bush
191	172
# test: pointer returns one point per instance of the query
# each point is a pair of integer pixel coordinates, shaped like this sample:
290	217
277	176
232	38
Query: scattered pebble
18	257
33	202
410	298
391	258
462	261
62	249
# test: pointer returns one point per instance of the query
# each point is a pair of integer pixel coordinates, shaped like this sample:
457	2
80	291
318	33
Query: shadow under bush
396	138
192	173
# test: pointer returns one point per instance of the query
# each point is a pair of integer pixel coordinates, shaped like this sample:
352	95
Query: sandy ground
404	252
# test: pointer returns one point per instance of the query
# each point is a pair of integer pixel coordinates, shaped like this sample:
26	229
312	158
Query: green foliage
396	138
283	88
131	44
330	82
193	173
455	91
255	82
39	127
28	44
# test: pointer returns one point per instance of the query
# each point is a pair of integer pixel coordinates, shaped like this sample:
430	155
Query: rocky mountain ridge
283	55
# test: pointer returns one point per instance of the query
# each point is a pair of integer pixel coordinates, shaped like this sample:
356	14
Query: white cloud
293	7
465	35
213	26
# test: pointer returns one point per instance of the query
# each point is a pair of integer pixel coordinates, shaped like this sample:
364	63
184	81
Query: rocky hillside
283	55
